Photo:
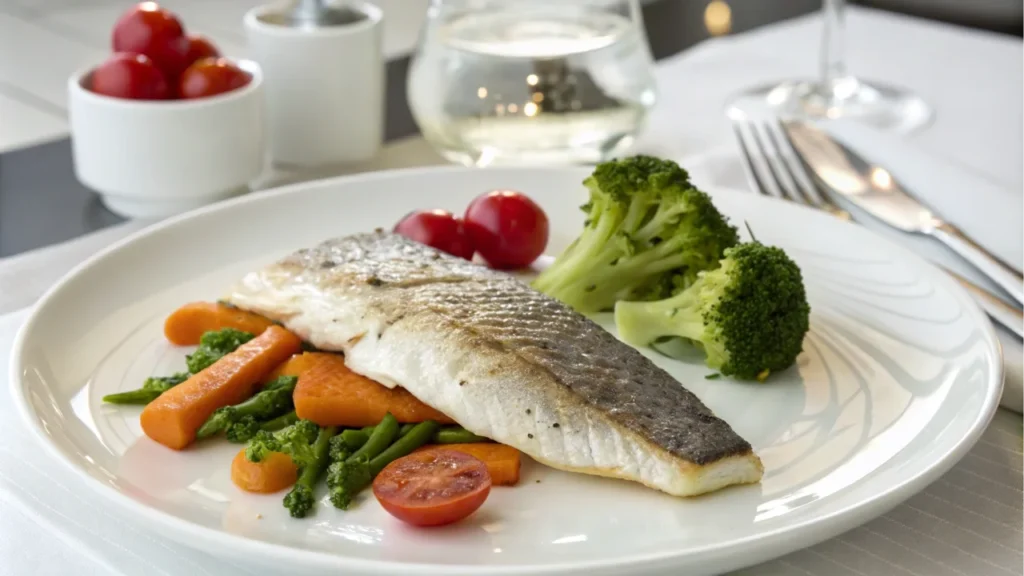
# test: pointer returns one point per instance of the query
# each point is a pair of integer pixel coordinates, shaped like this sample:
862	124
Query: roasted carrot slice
275	472
186	324
330	394
502	461
173	418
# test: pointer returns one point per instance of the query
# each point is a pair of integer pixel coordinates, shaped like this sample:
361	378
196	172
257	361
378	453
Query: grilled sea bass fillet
501	359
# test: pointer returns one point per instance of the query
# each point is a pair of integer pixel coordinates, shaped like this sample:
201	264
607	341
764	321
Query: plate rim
781	540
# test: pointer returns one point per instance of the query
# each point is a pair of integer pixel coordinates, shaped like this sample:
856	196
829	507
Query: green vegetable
274	399
347	478
242	430
280	422
295	440
648	232
445	435
749	315
300	500
151	389
382	437
456	435
213	346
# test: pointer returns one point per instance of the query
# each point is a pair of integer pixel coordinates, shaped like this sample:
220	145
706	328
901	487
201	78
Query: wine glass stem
833	64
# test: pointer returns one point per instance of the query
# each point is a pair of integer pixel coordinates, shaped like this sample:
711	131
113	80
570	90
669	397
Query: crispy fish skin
502	359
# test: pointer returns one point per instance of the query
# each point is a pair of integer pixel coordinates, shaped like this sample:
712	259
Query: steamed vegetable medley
307	420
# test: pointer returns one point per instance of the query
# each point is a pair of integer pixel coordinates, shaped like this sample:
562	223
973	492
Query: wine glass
839	94
531	81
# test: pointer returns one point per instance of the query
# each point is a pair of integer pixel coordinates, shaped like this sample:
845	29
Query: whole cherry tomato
438	229
211	76
507	228
200	47
433	487
131	76
148	29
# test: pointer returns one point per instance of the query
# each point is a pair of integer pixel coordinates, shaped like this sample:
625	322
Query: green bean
418	435
383	435
282	421
457	435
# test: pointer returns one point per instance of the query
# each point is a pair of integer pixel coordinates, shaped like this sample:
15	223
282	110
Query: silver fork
773	169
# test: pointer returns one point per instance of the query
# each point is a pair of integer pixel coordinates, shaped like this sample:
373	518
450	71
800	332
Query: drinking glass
531	81
837	93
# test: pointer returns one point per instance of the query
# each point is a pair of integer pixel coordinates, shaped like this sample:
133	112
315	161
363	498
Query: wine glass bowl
531	81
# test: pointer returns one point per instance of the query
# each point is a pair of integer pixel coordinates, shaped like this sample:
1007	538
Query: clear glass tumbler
837	93
531	81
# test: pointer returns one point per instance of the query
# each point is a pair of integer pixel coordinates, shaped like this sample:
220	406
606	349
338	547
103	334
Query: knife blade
875	190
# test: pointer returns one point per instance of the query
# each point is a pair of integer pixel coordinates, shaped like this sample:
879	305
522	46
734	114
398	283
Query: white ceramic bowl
151	159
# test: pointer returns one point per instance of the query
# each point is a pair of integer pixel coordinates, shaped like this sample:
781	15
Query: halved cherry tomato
148	29
211	76
433	487
438	229
508	229
131	76
200	47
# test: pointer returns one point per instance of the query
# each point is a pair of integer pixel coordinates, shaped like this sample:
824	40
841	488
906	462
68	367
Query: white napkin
988	210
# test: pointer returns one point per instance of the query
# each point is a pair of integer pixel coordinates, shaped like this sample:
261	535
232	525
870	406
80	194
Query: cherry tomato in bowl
508	229
200	47
211	76
433	487
148	29
438	229
131	76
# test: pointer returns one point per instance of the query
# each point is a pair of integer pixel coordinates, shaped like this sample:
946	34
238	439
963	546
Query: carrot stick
330	394
186	324
503	462
276	471
174	417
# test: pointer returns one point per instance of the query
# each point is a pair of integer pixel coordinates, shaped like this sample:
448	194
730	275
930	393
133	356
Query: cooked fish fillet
501	359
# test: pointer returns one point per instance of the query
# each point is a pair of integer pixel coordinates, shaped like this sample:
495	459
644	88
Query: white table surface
966	524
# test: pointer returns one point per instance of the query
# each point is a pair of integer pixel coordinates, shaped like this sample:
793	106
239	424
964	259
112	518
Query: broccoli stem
640	323
265	404
151	389
282	421
299	501
383	434
419	435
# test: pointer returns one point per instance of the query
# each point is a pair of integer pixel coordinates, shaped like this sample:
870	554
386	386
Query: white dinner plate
899	376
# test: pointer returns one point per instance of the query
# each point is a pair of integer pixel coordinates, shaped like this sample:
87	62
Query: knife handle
1003	275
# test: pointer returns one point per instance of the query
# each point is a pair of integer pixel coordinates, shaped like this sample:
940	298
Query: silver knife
874	189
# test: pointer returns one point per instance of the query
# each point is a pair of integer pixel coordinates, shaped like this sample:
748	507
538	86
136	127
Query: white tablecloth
969	523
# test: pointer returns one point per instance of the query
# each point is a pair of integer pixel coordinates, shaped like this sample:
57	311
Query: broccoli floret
340	449
648	229
213	346
242	430
346	479
749	315
295	440
300	499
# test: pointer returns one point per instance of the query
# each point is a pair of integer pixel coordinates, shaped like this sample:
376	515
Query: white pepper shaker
323	69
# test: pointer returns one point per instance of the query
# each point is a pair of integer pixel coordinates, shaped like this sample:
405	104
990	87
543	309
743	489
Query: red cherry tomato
148	29
200	47
507	228
437	229
433	487
211	76
131	76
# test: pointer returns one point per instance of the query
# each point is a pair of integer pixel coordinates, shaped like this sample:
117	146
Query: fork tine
783	177
794	166
755	173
